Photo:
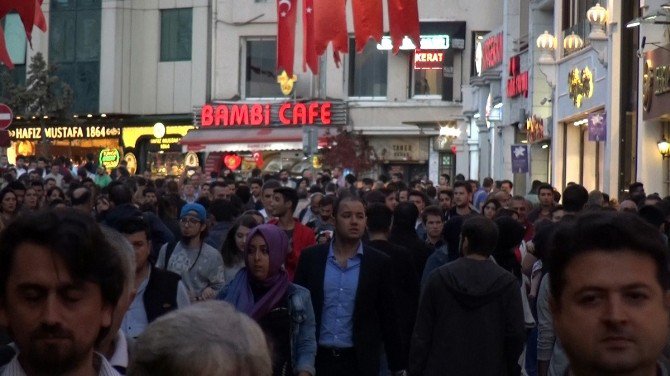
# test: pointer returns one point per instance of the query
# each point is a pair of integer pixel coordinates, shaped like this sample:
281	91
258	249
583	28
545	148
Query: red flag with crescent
368	21
4	54
309	56
286	19
330	25
403	21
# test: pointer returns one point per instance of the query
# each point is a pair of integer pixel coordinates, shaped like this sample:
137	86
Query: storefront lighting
573	42
34	117
545	146
524	141
634	23
89	116
547	44
450	132
666	6
159	130
103	115
75	116
477	115
664	148
18	118
597	16
580	122
498	105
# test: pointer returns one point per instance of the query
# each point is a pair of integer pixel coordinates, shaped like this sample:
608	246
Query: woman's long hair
231	255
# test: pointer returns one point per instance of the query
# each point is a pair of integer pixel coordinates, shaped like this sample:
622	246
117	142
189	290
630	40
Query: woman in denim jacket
283	310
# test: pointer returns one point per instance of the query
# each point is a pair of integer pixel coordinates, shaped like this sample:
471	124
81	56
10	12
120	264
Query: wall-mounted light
573	42
547	44
664	148
597	16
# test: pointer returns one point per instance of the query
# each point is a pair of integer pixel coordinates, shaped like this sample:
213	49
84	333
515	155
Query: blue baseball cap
197	208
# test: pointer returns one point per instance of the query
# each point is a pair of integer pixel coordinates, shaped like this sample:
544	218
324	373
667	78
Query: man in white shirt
59	284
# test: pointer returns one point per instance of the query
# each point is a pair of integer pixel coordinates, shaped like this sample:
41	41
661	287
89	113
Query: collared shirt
14	368
135	320
119	359
339	295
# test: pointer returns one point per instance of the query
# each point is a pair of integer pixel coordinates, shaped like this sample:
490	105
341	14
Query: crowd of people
326	274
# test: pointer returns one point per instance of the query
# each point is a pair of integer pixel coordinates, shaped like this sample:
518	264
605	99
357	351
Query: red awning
245	139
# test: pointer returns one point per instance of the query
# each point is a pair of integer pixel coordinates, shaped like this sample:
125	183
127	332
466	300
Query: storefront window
176	33
166	163
368	71
260	73
476	53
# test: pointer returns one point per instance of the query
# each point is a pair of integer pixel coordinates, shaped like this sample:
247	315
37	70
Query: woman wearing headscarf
283	310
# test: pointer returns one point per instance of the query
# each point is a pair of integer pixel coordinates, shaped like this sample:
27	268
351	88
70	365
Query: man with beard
199	264
59	284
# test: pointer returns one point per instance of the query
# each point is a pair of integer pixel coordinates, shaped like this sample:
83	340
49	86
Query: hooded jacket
470	322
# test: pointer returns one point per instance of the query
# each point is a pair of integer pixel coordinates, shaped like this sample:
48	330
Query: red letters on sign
517	84
289	114
492	51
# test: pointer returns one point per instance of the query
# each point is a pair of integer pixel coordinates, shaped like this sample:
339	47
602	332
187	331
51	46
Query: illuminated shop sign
580	85
64	132
517	84
110	158
165	143
492	51
428	42
428	59
272	114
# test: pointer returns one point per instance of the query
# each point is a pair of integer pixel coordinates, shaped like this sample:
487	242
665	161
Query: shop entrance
583	160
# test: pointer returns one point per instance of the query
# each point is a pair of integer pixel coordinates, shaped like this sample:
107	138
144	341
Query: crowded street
334	188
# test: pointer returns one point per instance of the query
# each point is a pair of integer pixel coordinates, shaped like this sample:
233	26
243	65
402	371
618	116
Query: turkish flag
309	56
40	20
330	25
403	21
4	54
368	21
286	18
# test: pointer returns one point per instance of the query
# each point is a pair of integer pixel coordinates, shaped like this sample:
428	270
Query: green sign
110	158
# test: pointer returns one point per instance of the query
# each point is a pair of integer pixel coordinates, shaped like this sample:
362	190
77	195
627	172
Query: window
476	52
261	69
74	49
15	39
176	33
368	71
435	82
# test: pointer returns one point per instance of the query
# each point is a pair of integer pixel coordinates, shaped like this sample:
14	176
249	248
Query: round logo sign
110	158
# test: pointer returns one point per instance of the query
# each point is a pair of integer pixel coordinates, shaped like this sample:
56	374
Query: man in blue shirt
353	302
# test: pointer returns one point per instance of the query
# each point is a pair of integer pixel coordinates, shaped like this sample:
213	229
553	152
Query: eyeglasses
189	221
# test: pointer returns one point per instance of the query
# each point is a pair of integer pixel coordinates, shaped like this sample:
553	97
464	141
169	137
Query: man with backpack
199	264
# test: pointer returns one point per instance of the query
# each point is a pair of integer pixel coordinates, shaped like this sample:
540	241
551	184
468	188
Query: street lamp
547	44
597	16
664	148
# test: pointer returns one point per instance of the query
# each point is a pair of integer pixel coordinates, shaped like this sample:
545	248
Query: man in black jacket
470	319
353	304
406	282
158	291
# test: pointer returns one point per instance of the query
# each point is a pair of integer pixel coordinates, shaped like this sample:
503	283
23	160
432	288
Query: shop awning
245	139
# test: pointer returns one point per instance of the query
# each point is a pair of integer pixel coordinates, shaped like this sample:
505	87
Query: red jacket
302	238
